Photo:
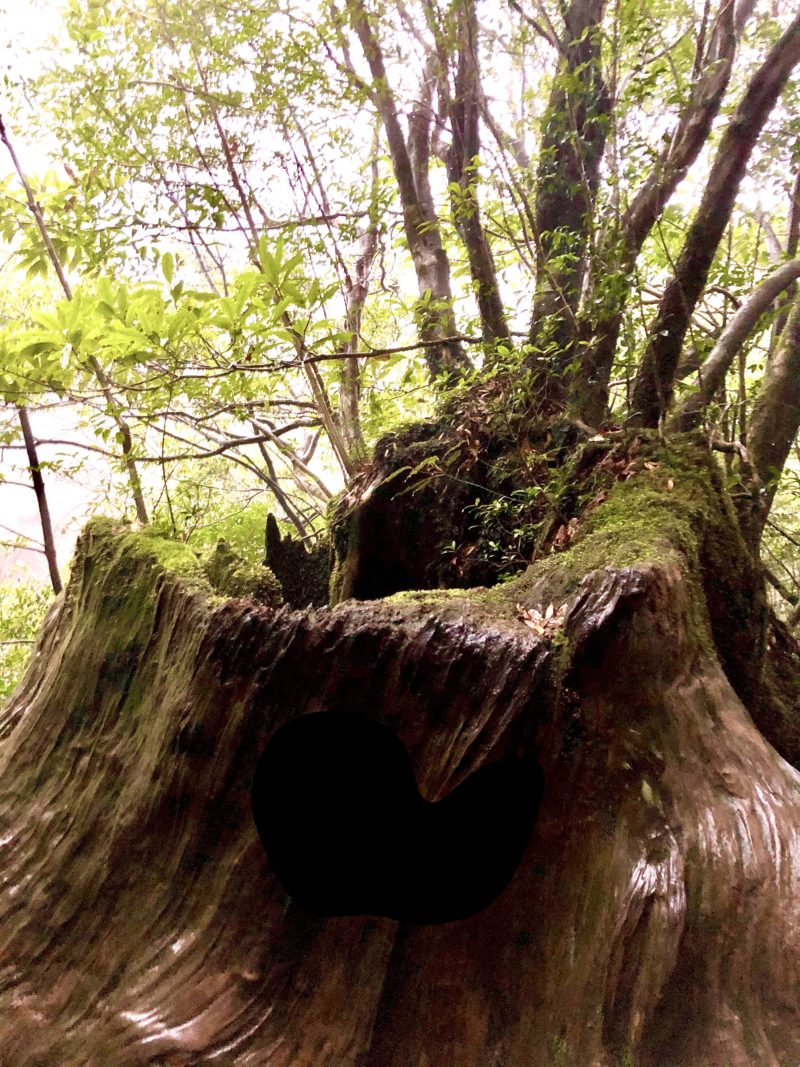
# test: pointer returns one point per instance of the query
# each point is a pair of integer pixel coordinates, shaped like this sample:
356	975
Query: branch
367	353
778	586
114	407
549	36
41	499
713	371
792	243
421	227
652	393
776	415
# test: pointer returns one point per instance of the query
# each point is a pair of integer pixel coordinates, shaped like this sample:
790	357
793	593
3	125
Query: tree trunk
464	107
653	388
435	310
622	245
654	916
37	482
574	131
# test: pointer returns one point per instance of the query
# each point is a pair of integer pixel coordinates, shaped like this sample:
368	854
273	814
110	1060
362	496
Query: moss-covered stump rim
671	515
220	575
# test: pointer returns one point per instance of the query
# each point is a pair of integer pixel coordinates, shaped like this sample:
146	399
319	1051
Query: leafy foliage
225	200
22	609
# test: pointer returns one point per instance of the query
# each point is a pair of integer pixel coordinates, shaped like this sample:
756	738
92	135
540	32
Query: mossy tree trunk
654	916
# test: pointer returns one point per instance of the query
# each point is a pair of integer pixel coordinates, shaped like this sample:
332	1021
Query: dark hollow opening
338	811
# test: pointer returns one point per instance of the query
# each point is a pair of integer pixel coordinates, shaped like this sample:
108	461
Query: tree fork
653	388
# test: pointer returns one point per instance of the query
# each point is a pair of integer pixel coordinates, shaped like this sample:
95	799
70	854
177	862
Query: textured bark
713	64
573	139
421	226
654	915
652	393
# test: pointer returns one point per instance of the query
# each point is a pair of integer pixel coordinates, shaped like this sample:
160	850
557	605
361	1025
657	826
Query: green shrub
22	609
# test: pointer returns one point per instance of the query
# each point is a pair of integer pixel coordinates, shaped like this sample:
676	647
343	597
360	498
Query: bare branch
713	371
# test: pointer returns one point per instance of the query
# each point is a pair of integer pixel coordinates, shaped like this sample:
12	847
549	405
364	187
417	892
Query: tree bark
652	392
464	109
350	390
573	139
421	227
654	915
41	498
714	63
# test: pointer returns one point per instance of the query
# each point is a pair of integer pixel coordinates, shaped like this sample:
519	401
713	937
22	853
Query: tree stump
654	918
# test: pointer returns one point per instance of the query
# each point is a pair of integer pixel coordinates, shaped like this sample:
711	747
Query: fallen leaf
543	624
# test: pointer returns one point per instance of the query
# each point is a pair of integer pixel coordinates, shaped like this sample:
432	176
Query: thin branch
655	381
713	371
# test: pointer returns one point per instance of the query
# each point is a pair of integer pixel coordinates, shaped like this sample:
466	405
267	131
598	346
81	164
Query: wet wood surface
654	914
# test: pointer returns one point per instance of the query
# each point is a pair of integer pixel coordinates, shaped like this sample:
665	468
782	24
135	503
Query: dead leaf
543	624
630	469
565	533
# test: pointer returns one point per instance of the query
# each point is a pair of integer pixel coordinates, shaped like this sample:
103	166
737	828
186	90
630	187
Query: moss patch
232	576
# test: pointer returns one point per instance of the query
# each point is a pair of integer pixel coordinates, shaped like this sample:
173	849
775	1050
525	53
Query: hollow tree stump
654	918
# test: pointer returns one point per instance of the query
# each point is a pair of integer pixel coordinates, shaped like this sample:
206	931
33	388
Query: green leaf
269	265
168	266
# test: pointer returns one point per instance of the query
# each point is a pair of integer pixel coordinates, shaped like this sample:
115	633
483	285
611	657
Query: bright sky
26	28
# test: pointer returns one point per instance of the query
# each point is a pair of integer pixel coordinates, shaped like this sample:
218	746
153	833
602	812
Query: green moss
232	576
144	546
655	517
